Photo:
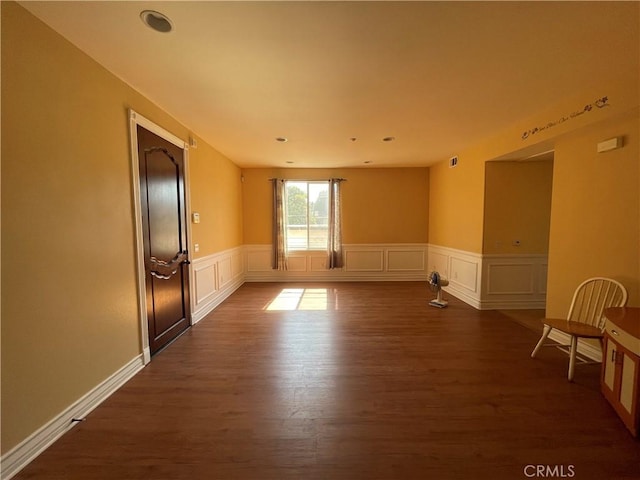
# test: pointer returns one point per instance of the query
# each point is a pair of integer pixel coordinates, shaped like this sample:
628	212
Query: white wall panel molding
18	457
215	277
462	269
514	281
409	260
363	262
492	281
364	259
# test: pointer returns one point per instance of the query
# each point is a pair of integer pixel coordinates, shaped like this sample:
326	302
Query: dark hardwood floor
349	381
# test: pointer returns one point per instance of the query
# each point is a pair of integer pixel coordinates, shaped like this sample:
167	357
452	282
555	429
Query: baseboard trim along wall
19	457
370	262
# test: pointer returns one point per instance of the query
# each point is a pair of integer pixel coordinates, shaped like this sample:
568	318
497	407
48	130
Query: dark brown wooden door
164	224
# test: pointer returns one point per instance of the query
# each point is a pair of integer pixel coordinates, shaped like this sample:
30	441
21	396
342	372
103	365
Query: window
307	215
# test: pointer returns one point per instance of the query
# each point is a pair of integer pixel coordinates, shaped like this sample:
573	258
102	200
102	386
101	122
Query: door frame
136	119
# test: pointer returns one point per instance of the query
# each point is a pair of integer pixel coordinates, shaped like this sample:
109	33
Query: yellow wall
595	212
517	206
457	194
389	205
69	302
456	200
216	194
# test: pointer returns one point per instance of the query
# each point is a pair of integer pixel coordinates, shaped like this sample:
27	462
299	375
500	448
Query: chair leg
572	356
545	334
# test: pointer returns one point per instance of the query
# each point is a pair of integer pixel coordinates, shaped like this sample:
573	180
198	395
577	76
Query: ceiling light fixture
282	139
156	21
388	139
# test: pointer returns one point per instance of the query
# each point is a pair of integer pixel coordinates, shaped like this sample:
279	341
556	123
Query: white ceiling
438	76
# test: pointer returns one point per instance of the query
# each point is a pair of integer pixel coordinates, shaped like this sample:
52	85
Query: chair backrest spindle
591	298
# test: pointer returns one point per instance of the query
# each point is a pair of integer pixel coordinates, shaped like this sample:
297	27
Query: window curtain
279	256
334	247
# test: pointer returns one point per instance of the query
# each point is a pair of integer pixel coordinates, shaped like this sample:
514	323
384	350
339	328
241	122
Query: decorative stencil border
599	103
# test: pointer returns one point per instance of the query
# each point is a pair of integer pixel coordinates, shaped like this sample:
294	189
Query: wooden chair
586	317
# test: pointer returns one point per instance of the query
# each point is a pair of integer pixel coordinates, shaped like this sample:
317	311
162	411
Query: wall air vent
610	144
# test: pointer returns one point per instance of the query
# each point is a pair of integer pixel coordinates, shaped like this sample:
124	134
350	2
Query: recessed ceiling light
367	161
282	139
388	139
353	139
156	20
289	161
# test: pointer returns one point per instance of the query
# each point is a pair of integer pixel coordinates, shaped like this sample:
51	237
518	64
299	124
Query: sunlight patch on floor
299	299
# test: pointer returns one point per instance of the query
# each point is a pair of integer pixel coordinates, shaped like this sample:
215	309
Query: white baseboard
19	457
463	295
513	305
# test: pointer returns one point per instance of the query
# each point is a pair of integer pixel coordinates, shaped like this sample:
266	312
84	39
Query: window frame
308	247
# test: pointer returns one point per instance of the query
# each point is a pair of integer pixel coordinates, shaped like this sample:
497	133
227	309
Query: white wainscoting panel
205	280
491	282
215	277
364	260
406	261
462	269
318	263
514	281
258	258
368	262
510	279
297	263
